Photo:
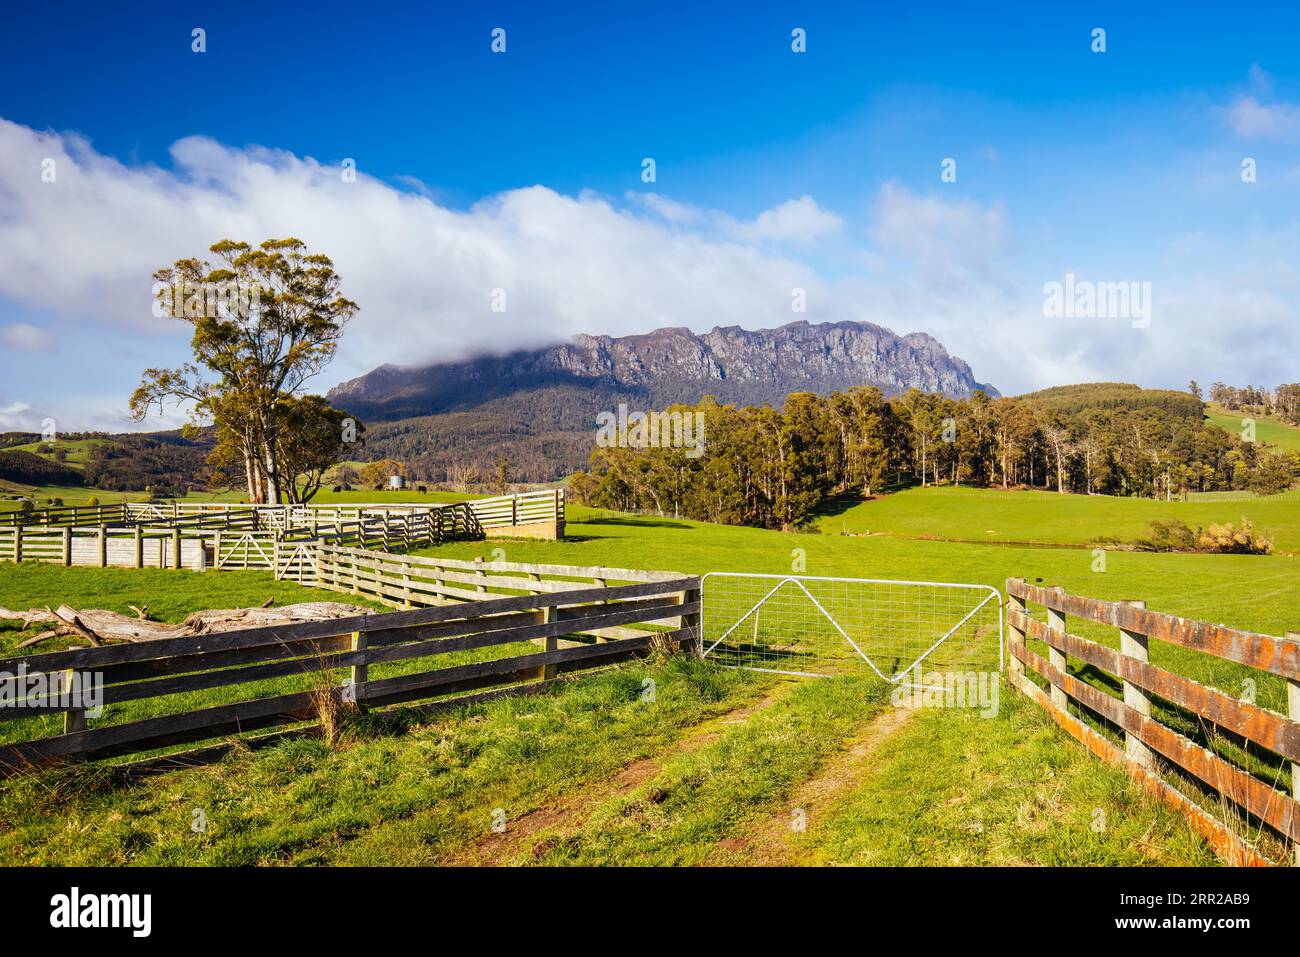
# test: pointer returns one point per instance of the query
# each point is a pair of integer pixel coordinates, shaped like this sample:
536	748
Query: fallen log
28	618
71	619
98	625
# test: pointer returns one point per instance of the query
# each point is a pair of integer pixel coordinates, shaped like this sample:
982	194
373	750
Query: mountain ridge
670	364
539	405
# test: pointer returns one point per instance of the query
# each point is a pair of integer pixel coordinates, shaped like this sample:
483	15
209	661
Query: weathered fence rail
405	580
538	513
584	617
66	515
1147	741
222	536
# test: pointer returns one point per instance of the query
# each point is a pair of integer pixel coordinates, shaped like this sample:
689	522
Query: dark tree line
773	469
28	468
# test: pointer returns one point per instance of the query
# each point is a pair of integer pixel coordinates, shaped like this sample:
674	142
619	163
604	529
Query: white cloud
76	411
16	417
667	209
1252	119
796	221
25	336
952	247
424	274
84	248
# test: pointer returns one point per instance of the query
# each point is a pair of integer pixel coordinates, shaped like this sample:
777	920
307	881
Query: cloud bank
81	249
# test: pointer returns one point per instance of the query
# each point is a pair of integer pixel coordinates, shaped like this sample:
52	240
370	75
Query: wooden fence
541	511
231	539
1147	741
66	515
570	627
407	580
498	514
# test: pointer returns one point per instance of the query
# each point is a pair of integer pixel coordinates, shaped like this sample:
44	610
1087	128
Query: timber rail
574	619
1264	791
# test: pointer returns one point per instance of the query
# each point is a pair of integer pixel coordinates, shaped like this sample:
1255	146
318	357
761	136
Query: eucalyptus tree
265	320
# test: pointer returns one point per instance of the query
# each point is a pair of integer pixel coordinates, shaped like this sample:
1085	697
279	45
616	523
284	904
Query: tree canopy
265	320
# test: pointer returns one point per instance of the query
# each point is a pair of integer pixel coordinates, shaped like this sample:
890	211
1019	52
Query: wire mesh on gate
803	625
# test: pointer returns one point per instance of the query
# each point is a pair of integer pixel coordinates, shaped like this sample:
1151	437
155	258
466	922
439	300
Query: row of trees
773	469
1283	401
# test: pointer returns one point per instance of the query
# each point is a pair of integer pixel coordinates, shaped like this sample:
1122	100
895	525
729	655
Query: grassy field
169	596
78	450
713	770
594	773
1272	431
991	515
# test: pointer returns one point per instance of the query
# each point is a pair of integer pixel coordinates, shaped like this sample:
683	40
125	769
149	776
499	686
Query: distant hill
540	405
165	462
1117	395
22	467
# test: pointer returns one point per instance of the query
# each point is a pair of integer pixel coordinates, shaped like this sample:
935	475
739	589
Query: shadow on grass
637	521
839	504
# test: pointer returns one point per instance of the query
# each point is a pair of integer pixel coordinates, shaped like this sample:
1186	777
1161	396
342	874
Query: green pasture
1268	430
1032	517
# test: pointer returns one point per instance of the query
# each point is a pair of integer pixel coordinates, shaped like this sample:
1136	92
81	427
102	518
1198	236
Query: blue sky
775	170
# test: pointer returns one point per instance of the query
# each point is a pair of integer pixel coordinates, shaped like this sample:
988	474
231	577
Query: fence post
1056	622
139	547
1134	645
691	623
216	548
480	575
360	672
67	546
1015	667
1293	712
18	543
549	643
176	547
103	547
74	719
275	555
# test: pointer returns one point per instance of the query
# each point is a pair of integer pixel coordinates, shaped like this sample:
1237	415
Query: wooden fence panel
1145	736
136	671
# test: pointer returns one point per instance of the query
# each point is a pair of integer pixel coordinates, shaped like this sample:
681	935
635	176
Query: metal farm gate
818	627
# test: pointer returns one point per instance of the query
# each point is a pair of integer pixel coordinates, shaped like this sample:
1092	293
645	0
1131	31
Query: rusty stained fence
1147	742
574	629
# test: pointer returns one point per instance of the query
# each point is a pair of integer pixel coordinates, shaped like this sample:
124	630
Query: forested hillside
770	468
166	464
27	468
